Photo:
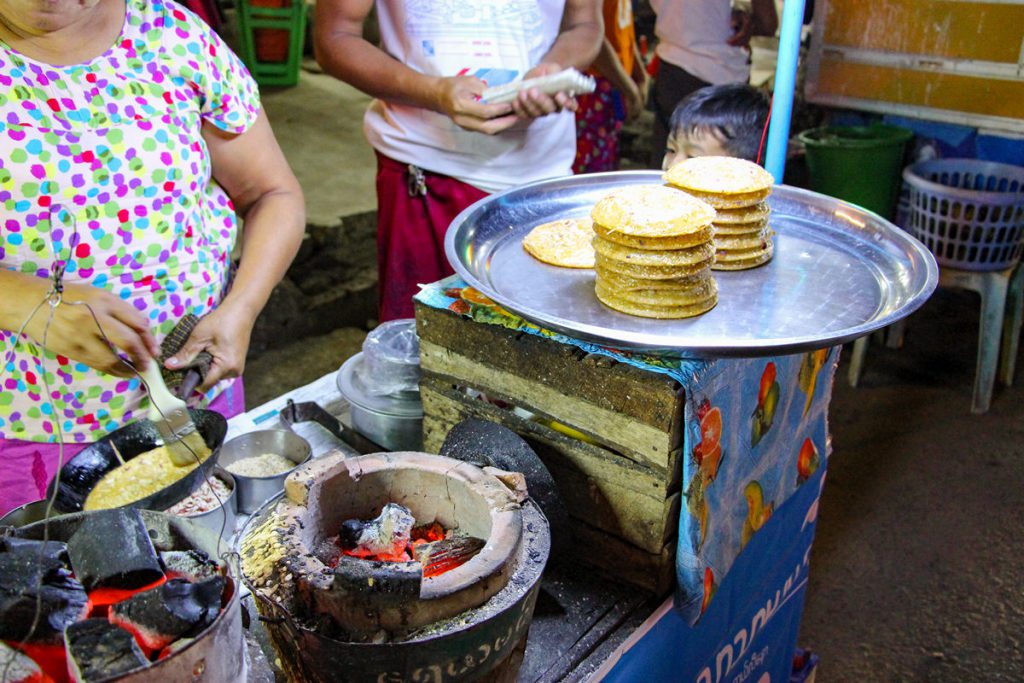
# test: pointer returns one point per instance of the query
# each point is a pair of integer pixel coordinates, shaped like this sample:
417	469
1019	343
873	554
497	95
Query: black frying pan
80	474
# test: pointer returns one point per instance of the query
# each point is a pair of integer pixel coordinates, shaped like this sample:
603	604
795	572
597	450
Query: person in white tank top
439	148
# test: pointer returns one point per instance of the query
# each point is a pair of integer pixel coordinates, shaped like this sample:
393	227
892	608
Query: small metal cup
27	514
223	517
250	492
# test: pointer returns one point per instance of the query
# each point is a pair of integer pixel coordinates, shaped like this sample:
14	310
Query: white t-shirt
498	41
692	35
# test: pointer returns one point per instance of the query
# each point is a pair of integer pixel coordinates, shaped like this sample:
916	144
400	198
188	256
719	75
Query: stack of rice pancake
738	189
653	252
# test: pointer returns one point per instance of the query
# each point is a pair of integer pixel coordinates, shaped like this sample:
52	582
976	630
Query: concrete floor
916	573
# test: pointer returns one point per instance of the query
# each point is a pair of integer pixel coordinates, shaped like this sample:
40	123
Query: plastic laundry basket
969	213
860	164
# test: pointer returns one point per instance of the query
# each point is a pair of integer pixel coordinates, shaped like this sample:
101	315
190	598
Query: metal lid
352	386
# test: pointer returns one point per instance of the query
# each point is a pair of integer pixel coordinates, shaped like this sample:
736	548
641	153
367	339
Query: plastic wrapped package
391	358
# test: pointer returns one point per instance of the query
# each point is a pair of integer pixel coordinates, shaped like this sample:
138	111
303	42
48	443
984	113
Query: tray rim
927	277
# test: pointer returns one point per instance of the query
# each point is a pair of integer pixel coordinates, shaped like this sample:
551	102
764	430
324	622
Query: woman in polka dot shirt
130	137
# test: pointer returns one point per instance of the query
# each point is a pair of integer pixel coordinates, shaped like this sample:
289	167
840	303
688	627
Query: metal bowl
222	519
80	474
27	514
252	491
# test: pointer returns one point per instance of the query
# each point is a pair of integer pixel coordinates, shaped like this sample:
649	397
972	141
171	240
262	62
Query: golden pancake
735	229
732	243
655	311
651	211
673	242
749	214
699	291
652	257
564	243
742	260
729	201
651	272
626	282
718	175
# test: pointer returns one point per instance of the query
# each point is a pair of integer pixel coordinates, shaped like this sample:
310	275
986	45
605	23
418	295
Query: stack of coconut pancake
653	252
738	189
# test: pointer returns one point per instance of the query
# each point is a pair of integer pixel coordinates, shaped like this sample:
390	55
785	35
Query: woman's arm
253	171
82	325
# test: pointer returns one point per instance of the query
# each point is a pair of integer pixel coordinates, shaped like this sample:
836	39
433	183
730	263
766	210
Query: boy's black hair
736	113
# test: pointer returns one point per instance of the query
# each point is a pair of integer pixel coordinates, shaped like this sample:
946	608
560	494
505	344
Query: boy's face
699	143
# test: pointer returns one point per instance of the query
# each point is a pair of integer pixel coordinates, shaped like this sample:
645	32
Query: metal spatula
170	415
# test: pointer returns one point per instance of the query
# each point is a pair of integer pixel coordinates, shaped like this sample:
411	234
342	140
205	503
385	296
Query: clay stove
356	619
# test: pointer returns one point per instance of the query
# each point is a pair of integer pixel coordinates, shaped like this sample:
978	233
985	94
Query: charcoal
17	667
194	565
387	534
112	549
98	650
175	609
33	575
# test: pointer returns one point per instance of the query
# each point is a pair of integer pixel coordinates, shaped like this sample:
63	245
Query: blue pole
785	83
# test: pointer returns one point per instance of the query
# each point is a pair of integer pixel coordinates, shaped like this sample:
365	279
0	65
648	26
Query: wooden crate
616	467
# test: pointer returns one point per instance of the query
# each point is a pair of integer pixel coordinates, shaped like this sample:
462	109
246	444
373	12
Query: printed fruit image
807	462
709	588
709	451
767	402
810	366
757	511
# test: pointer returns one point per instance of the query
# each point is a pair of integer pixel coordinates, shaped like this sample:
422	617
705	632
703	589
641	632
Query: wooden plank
960	93
624	561
986	31
623	433
651	398
612	494
592	459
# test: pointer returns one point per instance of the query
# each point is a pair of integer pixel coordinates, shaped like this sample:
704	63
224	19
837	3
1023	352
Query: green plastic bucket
861	164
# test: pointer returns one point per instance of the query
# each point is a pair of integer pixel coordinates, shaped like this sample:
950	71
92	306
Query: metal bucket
217	654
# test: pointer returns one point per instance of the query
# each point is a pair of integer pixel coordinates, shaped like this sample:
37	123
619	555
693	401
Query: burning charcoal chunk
51	550
385	537
112	549
437	557
194	565
16	667
98	650
33	573
173	609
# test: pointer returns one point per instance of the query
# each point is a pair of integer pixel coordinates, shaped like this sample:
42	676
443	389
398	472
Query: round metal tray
839	272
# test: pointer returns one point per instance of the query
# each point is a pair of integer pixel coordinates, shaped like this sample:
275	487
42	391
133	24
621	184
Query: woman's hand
224	334
84	326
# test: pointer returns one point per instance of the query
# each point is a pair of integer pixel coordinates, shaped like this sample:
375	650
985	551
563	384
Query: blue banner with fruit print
756	433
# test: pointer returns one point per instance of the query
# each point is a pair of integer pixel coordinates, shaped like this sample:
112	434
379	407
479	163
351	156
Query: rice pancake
730	243
702	236
699	291
652	272
564	243
626	282
613	301
743	259
729	201
651	211
653	257
739	228
720	175
747	214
